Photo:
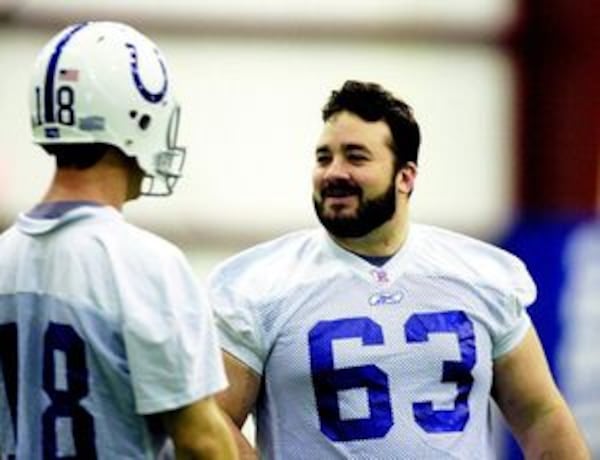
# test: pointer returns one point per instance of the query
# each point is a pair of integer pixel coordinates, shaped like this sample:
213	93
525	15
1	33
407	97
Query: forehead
348	128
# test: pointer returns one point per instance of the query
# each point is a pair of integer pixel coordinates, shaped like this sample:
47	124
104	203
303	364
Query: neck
385	240
102	184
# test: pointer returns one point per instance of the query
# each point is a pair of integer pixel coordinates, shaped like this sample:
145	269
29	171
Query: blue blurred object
546	245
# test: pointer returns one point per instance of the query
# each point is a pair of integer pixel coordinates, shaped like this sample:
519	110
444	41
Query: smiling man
375	337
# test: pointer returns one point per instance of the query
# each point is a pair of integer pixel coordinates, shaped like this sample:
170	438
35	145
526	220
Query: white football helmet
104	82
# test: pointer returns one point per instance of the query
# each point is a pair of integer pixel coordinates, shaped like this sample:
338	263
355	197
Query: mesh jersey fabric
102	323
368	362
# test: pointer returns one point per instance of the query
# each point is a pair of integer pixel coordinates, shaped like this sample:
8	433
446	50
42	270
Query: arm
199	431
532	405
238	400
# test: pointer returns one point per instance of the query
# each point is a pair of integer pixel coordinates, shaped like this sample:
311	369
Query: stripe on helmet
51	72
153	98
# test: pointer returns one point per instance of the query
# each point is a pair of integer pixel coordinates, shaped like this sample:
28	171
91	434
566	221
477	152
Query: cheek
317	178
374	186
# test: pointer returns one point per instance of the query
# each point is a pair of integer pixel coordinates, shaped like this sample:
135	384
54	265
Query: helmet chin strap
158	185
161	177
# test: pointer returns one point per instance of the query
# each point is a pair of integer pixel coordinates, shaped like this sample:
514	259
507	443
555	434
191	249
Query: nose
337	169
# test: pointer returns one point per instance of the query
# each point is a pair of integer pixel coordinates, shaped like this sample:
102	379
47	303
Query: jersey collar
395	266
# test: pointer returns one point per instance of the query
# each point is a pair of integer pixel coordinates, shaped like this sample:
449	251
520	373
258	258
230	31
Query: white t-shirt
100	323
366	362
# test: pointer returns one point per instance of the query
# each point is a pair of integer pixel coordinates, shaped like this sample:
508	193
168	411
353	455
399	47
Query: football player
375	337
107	346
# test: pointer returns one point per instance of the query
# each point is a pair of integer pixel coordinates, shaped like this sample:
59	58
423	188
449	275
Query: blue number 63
328	381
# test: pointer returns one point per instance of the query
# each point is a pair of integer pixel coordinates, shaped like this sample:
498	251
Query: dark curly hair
371	102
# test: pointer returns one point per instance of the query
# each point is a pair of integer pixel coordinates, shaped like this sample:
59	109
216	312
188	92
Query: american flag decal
68	74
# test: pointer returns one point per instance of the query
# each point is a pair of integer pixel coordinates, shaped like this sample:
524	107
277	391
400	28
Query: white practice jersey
101	323
366	362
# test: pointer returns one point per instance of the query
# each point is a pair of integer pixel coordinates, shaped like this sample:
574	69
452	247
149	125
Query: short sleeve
238	328
513	321
170	337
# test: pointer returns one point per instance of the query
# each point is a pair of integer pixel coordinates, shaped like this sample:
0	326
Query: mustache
339	189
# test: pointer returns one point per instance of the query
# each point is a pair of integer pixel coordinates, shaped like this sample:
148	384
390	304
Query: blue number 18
65	401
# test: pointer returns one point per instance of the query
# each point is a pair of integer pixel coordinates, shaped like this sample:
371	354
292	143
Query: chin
341	215
341	211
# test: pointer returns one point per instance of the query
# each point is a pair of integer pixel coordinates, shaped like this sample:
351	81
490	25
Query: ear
405	178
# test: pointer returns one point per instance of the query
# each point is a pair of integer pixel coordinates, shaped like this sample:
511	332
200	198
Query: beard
370	214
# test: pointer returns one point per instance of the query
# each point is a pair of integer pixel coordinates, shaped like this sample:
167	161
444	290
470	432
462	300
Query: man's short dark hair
76	156
371	102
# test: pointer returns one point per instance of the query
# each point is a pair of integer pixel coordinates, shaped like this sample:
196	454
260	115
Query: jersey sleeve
237	322
170	337
513	322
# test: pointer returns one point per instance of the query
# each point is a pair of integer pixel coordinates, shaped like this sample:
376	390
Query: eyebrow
354	146
345	147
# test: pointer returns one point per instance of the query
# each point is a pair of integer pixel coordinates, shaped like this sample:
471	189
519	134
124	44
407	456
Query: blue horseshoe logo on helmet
135	73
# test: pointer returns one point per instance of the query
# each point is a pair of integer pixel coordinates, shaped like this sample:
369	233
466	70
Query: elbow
554	435
199	448
215	444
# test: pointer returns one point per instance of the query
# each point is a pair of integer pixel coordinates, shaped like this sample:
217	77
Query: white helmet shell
105	82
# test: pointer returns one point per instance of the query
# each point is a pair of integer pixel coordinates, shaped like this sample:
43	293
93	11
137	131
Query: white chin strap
158	185
167	166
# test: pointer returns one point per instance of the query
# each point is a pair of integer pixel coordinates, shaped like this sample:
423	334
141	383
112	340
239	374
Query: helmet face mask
168	164
104	82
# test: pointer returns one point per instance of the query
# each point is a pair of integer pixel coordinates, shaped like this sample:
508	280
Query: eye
323	158
356	156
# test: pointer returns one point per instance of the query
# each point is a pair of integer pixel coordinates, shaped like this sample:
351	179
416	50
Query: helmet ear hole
144	121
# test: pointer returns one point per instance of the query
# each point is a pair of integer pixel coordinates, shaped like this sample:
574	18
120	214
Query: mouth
340	191
337	193
339	200
340	206
338	196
